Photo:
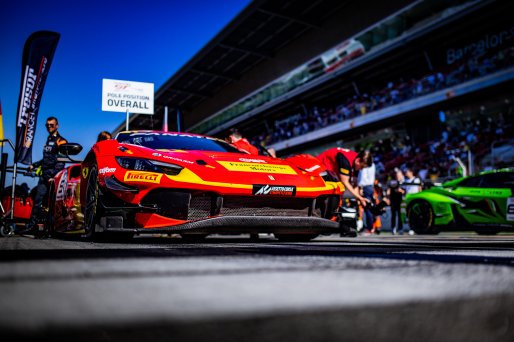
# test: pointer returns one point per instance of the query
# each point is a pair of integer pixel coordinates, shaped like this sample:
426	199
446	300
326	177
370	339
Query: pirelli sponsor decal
145	177
273	190
254	167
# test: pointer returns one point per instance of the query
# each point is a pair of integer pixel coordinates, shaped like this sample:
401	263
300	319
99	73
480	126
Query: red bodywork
195	190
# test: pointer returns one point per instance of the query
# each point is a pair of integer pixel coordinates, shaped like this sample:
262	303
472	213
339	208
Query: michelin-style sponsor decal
510	209
140	176
107	170
252	160
273	190
263	168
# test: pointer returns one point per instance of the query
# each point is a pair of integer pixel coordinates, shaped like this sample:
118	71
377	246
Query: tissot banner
37	57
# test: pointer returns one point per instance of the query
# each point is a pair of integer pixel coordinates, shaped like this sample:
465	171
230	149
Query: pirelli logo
145	177
273	190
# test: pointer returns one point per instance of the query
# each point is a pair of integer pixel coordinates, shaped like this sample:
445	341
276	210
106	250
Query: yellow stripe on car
257	167
187	176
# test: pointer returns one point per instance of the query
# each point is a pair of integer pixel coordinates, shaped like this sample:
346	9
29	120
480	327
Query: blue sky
144	41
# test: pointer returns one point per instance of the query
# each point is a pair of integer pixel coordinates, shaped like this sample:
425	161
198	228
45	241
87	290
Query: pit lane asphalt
451	287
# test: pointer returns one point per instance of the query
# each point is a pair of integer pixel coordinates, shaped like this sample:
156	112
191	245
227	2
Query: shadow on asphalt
219	246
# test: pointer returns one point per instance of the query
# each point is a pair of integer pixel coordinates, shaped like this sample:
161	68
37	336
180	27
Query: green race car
483	202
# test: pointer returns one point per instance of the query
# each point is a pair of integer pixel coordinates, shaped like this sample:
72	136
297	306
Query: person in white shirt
366	182
412	184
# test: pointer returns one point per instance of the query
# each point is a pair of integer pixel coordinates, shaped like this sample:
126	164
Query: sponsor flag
37	57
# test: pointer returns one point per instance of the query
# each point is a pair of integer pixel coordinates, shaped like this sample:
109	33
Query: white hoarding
127	96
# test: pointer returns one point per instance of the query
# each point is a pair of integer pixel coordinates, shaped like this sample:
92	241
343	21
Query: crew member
346	163
103	135
50	166
235	138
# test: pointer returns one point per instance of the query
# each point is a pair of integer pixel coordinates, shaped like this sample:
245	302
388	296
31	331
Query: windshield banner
37	57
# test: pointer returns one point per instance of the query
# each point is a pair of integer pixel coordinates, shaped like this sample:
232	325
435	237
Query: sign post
128	97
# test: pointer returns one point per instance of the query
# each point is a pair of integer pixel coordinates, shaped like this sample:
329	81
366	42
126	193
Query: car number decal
262	168
62	186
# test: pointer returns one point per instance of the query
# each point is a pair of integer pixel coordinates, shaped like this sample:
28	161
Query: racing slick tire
421	218
91	205
295	237
7	229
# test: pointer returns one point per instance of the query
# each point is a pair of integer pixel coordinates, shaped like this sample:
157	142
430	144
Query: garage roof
255	35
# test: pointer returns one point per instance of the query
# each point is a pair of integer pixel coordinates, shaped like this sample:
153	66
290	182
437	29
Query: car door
485	199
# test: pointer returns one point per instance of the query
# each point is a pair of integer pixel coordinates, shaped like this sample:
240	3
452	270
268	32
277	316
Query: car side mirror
70	149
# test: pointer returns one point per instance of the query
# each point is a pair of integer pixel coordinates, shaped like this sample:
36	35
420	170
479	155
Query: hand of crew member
363	201
31	167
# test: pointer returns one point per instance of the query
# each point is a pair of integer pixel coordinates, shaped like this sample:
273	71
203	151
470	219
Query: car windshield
176	141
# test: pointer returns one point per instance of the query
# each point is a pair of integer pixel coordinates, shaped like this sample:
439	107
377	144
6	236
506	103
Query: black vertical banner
37	57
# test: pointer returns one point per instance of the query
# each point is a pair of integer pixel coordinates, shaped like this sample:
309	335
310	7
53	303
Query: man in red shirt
346	163
236	139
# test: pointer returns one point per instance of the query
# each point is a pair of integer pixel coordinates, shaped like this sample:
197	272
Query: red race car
193	185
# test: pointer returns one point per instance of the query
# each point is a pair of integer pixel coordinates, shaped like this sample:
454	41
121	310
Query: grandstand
402	77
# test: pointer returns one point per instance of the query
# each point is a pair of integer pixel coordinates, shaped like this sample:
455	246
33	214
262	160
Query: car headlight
149	165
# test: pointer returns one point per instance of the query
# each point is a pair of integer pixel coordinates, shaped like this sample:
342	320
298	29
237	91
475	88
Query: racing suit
50	166
244	145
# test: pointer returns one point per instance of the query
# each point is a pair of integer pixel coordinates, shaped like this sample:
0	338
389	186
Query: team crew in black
50	166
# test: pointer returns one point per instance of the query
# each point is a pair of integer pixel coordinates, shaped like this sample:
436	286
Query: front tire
91	205
421	218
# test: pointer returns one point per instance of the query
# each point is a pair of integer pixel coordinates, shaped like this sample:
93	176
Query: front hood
234	167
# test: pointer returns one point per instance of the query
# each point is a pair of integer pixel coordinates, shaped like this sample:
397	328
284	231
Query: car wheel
7	229
421	218
295	237
91	205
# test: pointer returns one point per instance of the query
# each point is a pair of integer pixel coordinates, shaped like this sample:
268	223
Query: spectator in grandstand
395	196
366	182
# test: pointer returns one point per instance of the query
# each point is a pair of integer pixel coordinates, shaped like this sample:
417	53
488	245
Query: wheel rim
420	216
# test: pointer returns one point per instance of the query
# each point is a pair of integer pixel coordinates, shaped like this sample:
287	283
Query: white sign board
127	96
